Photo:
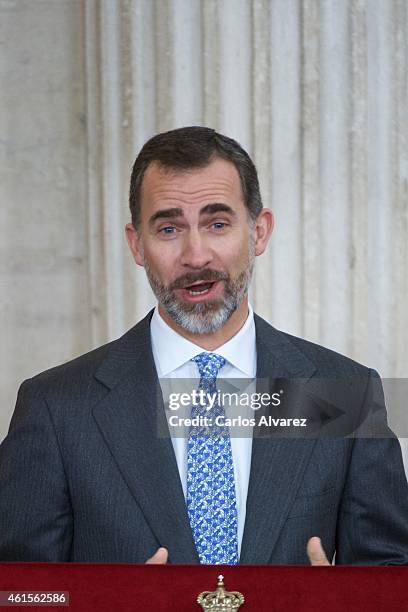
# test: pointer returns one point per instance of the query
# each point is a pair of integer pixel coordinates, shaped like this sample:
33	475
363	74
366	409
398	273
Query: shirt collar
239	351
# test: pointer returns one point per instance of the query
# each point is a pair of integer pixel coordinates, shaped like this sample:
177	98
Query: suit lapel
277	464
132	421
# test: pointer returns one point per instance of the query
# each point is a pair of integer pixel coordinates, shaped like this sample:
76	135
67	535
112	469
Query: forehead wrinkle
218	182
205	193
210	183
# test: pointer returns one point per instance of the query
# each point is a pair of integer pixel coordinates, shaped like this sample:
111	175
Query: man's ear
134	242
263	229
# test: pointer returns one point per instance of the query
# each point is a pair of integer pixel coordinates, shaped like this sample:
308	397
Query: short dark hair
194	147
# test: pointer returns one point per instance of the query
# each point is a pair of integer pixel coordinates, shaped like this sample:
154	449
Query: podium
174	588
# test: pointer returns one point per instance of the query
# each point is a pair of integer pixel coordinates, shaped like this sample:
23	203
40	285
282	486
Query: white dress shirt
172	355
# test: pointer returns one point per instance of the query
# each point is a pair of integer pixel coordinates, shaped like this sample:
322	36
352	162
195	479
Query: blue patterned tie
211	501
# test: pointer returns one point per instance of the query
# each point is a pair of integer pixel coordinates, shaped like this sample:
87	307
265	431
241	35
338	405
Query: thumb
159	558
316	553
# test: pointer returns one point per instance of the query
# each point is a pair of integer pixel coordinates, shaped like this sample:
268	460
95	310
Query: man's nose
196	252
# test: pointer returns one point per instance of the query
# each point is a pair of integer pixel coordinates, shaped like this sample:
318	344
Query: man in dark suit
85	472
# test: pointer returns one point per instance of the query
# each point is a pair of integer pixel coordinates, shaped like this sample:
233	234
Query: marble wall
44	260
316	90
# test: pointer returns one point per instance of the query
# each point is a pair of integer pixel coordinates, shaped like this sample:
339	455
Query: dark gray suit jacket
84	476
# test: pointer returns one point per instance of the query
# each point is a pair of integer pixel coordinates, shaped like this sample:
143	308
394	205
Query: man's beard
209	315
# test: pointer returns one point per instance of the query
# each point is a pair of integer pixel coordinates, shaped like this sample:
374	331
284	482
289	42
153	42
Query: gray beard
204	317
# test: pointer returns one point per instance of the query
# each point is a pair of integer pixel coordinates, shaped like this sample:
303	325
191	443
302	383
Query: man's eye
167	230
219	225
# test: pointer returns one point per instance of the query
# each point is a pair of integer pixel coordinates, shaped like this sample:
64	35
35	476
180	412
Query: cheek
160	263
236	252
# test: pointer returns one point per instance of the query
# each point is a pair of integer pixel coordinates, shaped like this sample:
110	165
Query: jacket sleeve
35	510
373	516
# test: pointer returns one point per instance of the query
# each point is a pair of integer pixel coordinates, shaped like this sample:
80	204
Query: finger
316	553
160	557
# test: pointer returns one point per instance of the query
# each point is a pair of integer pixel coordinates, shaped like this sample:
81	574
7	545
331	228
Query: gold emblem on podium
220	600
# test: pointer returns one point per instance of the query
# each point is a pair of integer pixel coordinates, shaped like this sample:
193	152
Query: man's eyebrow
217	207
166	213
208	209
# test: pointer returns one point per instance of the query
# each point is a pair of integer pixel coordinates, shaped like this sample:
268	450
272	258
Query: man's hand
315	552
160	557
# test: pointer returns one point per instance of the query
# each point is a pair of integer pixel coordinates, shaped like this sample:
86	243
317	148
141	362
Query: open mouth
200	287
203	289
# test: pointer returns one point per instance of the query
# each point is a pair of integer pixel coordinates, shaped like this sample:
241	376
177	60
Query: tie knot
209	364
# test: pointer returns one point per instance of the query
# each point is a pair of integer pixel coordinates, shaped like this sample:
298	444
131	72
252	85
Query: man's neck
210	342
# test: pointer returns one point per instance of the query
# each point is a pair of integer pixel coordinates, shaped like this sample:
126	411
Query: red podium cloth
120	587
